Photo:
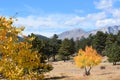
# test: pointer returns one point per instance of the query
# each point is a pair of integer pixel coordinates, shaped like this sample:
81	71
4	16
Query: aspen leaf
18	61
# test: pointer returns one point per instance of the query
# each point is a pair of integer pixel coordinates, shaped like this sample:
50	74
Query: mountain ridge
79	33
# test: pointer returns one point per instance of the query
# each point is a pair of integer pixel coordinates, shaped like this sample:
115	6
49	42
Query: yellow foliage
17	60
87	58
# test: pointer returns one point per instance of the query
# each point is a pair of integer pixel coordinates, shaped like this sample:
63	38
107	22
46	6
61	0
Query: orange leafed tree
87	59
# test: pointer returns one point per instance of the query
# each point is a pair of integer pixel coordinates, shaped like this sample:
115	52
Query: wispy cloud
79	11
108	22
45	25
74	21
104	4
32	10
116	13
87	21
56	23
113	14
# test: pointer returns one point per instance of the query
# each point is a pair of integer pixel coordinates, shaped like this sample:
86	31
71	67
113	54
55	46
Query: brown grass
68	71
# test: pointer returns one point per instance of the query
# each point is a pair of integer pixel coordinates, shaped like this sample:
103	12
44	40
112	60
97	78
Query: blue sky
48	17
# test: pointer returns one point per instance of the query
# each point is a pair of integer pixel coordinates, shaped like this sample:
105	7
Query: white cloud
107	22
56	23
96	16
50	24
116	13
36	21
86	21
48	34
49	21
74	21
104	4
112	13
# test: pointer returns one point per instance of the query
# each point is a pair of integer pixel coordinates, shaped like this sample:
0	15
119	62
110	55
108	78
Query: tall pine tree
99	42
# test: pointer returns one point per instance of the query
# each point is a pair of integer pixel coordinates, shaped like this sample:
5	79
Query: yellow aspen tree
17	60
87	59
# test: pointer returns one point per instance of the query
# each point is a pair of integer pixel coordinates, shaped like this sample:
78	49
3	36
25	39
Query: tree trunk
48	59
67	58
87	72
114	63
54	59
64	60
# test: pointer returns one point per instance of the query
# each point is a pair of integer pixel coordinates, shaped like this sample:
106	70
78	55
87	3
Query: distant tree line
105	44
50	48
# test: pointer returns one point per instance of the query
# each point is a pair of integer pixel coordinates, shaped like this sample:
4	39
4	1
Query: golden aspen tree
17	60
87	59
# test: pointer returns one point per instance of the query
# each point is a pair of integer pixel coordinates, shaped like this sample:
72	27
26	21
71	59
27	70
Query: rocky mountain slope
78	33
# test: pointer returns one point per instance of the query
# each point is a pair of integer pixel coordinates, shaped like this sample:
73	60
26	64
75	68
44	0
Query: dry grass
68	71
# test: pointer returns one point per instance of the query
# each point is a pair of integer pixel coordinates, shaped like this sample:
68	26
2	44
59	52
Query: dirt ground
68	71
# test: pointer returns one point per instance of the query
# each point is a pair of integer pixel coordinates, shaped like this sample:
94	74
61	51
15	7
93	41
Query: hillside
78	33
42	37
